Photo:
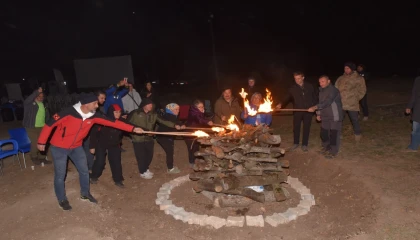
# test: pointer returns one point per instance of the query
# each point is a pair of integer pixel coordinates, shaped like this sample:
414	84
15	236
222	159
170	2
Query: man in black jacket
413	108
303	96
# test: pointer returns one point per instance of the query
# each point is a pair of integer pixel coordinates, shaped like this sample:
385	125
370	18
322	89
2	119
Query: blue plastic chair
6	153
21	137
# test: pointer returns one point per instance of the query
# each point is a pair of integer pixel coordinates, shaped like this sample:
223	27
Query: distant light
65	83
153	82
23	79
181	83
134	12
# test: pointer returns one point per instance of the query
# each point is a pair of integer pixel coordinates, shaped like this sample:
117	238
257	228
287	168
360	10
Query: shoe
305	148
409	150
324	150
365	119
330	155
119	184
93	180
357	137
150	173
294	147
145	175
89	198
65	205
174	170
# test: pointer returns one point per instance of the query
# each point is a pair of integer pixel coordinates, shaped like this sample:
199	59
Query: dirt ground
371	191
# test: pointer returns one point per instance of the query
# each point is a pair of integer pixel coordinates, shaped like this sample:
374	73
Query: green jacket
147	122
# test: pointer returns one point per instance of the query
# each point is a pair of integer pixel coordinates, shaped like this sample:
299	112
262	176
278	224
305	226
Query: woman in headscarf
196	118
259	118
167	141
106	140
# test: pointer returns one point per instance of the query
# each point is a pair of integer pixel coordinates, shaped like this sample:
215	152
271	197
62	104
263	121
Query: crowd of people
93	128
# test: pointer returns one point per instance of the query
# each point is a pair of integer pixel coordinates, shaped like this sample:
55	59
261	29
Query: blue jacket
265	118
114	95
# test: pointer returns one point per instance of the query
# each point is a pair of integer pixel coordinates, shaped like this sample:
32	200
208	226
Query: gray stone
255	221
201	220
272	220
163	194
169	210
308	197
215	222
300	210
235	221
307	204
290	215
165	204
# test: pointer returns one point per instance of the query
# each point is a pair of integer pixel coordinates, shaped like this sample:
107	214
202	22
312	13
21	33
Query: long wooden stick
170	133
290	110
198	128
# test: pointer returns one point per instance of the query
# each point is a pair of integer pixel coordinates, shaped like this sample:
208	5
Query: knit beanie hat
351	65
88	98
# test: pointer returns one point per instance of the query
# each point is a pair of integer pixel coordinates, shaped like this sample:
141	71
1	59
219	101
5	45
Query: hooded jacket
147	122
352	88
106	136
114	95
223	108
196	118
72	126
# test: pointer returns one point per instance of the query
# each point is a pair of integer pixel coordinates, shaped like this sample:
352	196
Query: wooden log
213	185
230	182
247	192
241	158
283	163
280	193
218	152
269	139
268	168
265	179
195	176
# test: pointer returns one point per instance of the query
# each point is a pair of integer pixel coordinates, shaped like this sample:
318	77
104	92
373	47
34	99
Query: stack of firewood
233	167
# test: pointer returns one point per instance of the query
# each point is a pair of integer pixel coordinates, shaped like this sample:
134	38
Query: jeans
78	157
298	118
354	118
89	156
144	154
364	105
415	136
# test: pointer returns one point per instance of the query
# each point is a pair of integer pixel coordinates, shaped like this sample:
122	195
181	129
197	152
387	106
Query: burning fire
200	134
217	129
231	125
264	107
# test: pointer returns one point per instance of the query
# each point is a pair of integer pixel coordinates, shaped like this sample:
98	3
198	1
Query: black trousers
298	118
114	159
330	135
167	143
144	154
364	104
193	147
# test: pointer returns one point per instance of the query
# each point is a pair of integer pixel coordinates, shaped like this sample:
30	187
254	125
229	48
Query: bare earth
371	191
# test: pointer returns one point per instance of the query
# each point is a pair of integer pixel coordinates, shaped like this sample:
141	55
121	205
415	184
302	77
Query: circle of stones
165	204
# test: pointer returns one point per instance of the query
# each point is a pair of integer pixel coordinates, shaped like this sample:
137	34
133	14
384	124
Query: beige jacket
352	88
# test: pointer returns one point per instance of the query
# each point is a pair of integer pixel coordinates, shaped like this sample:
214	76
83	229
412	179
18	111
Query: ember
238	163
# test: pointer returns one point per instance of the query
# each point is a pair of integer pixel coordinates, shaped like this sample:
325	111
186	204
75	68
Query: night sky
172	41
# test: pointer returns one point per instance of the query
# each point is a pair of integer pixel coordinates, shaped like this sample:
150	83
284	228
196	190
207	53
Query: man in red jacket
73	124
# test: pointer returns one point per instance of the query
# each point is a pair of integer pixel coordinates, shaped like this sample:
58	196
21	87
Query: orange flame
200	134
231	125
268	101
217	129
